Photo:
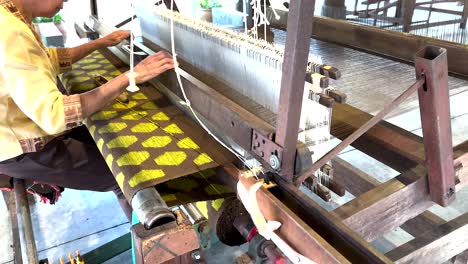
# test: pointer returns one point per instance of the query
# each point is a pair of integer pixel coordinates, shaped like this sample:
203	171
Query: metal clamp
267	150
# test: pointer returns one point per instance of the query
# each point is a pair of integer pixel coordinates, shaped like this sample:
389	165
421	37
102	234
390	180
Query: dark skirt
71	161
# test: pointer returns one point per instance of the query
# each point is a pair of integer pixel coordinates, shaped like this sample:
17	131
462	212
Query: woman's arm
79	52
149	68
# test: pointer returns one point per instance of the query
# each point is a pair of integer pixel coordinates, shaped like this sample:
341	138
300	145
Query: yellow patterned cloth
147	141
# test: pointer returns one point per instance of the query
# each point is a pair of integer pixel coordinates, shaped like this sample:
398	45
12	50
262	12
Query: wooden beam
436	24
387	143
440	10
354	180
422	223
380	41
451	240
358	182
327	225
293	229
386	207
407	13
461	165
393	203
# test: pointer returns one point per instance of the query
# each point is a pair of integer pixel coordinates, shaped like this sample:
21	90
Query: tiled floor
79	221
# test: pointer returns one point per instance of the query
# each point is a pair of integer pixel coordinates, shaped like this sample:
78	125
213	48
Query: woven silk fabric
150	142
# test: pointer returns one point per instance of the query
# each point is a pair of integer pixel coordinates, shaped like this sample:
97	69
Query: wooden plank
393	203
451	240
358	182
436	24
383	42
461	165
355	181
386	207
422	223
440	10
328	226
293	230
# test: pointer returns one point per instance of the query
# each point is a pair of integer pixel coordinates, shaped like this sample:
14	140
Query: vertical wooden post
431	64
296	55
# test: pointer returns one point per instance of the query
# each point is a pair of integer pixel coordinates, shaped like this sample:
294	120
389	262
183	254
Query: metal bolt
275	162
450	193
196	255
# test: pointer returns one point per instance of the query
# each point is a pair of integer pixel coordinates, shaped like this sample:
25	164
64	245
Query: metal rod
94	9
151	209
10	202
26	234
193	213
360	131
292	81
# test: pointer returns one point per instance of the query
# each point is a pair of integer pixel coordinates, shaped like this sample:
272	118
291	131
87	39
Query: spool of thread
132	87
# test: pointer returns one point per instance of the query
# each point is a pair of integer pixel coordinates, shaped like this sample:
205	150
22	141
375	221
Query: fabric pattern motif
147	141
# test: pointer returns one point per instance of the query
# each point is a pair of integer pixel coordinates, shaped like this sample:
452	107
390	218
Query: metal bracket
267	150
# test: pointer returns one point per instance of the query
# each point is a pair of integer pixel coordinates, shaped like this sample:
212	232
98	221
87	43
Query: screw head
450	192
275	162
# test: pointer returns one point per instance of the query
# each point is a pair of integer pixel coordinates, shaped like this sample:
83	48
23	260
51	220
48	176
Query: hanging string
244	11
186	101
265	26
259	17
132	87
316	122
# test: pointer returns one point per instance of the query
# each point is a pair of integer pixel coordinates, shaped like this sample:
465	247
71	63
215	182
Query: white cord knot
132	87
186	103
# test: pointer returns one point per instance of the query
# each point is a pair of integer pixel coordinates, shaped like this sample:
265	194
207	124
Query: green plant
56	19
207	4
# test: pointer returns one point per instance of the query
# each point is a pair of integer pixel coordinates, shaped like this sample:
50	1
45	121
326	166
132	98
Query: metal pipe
360	131
151	209
26	234
193	213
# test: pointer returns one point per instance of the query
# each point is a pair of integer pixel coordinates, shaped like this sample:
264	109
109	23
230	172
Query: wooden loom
404	15
343	235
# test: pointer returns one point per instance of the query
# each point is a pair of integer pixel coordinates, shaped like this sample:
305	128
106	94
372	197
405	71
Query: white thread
265	26
259	17
187	101
245	17
132	87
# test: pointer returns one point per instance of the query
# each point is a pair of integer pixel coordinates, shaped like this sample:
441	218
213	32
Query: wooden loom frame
405	11
342	235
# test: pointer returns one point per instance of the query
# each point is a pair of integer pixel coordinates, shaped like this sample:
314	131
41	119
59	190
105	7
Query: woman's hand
115	38
153	66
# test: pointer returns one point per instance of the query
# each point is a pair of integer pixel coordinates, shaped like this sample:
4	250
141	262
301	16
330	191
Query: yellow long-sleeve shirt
32	109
